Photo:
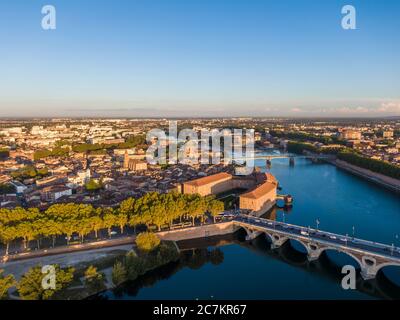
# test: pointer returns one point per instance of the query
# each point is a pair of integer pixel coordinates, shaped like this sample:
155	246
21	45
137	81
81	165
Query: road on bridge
322	236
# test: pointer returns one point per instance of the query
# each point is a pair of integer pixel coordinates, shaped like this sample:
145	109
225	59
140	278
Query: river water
233	269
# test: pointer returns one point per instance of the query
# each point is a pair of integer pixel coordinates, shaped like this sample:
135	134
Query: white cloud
390	107
362	110
384	108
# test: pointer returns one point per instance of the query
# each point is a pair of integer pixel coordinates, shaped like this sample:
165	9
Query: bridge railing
310	230
285	156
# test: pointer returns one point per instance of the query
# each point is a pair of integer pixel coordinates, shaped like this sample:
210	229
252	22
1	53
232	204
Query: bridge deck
318	236
285	156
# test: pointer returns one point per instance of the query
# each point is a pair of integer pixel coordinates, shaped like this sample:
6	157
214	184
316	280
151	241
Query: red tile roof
209	179
259	191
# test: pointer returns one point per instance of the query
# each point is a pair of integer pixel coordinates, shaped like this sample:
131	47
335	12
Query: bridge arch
388	278
269	237
295	242
380	266
349	254
251	233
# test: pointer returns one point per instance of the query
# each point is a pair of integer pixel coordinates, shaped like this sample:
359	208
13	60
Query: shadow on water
197	253
329	265
194	255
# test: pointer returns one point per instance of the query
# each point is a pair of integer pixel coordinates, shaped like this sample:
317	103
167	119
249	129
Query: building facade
134	164
260	197
214	184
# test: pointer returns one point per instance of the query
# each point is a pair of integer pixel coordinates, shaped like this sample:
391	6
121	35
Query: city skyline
206	156
203	59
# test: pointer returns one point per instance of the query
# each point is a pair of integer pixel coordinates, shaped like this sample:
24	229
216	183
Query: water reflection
197	254
193	259
321	193
328	265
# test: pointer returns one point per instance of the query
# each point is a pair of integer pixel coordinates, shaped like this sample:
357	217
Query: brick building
214	184
260	197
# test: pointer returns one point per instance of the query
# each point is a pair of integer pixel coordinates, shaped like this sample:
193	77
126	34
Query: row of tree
29	172
30	286
303	136
151	254
131	142
63	147
299	147
350	156
378	166
153	209
55	152
7	188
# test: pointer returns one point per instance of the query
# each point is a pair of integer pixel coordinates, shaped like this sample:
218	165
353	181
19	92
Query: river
233	269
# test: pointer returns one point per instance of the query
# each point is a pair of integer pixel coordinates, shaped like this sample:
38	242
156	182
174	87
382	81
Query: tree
84	228
197	207
6	282
299	147
43	172
109	220
134	141
30	286
51	228
168	251
134	265
94	280
96	224
119	273
7	234
7	188
127	206
147	241
215	207
92	185
134	220
56	152
25	173
158	214
68	228
121	219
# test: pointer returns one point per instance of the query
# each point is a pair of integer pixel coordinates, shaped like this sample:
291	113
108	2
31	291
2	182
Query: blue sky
199	58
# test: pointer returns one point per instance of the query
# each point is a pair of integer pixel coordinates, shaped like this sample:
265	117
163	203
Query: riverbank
382	180
134	261
207	230
103	254
204	231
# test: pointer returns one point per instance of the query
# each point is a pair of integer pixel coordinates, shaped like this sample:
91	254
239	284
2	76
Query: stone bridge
371	256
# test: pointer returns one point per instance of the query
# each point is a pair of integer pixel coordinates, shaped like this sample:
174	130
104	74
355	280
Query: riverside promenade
193	232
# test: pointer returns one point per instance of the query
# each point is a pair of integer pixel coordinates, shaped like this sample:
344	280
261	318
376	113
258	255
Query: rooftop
260	190
209	179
